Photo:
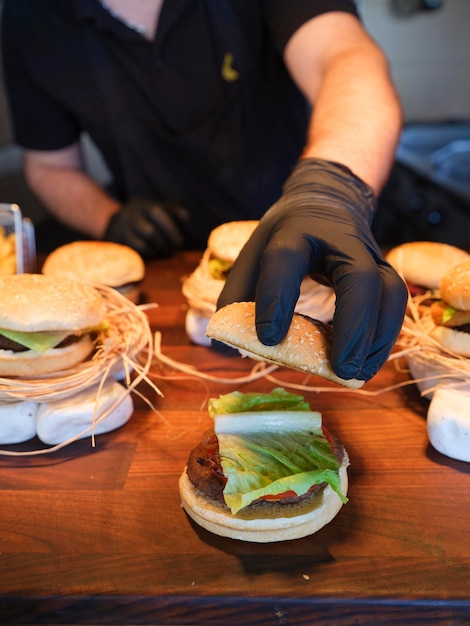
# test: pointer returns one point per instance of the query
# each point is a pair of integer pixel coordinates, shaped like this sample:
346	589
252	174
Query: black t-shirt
205	114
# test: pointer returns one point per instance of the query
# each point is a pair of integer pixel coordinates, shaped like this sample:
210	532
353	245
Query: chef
207	111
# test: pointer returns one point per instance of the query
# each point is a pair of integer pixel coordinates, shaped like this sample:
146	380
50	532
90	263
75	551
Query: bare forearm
73	198
357	123
357	115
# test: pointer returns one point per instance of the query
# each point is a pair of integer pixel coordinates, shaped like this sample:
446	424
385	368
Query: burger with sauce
269	470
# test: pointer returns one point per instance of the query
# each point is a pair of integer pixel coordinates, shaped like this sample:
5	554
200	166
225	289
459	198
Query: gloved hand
153	229
321	226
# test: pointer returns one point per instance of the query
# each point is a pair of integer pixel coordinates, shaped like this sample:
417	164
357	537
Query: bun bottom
454	340
30	364
306	518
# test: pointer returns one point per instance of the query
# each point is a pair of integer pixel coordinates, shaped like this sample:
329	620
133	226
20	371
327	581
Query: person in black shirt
208	111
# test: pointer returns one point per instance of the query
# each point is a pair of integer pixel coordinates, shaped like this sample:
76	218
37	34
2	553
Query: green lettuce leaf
299	483
264	463
237	402
267	456
448	313
219	269
37	341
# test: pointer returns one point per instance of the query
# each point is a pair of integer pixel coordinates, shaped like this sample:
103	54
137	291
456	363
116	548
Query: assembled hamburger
47	324
202	287
451	313
422	264
101	263
268	471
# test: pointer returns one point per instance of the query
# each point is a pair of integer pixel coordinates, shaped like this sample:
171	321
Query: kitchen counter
97	535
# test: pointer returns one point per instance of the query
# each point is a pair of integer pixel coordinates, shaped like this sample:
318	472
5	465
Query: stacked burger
451	313
438	322
269	469
203	287
49	328
448	421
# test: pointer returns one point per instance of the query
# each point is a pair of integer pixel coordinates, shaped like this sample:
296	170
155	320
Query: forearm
357	123
357	116
72	197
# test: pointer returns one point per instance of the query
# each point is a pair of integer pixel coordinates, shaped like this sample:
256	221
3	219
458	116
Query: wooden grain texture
97	535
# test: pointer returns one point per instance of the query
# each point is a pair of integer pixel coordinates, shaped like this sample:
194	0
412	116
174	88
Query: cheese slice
38	341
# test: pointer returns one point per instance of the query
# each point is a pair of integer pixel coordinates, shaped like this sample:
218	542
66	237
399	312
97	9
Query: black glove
321	226
153	229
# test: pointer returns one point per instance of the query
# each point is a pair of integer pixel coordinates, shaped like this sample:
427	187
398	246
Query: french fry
7	252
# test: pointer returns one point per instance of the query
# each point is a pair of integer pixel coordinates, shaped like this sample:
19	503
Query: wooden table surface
96	535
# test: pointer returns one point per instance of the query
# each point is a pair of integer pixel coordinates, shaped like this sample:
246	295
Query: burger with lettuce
204	285
269	470
47	324
451	312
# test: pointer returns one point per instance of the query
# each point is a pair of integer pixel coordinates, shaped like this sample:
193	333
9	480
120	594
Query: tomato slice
279	496
328	437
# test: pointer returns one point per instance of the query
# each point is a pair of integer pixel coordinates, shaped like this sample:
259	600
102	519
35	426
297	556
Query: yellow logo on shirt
228	72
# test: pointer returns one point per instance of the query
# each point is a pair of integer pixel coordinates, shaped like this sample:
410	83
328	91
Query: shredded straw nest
122	348
431	364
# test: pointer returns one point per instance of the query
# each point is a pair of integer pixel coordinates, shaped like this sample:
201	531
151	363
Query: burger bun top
34	302
424	263
454	287
96	262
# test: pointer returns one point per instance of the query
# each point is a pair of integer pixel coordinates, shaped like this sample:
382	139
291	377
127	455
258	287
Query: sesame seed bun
202	288
424	263
454	286
33	302
306	347
99	262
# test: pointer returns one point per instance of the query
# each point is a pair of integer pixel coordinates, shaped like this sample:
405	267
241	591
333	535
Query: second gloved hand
153	229
321	227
